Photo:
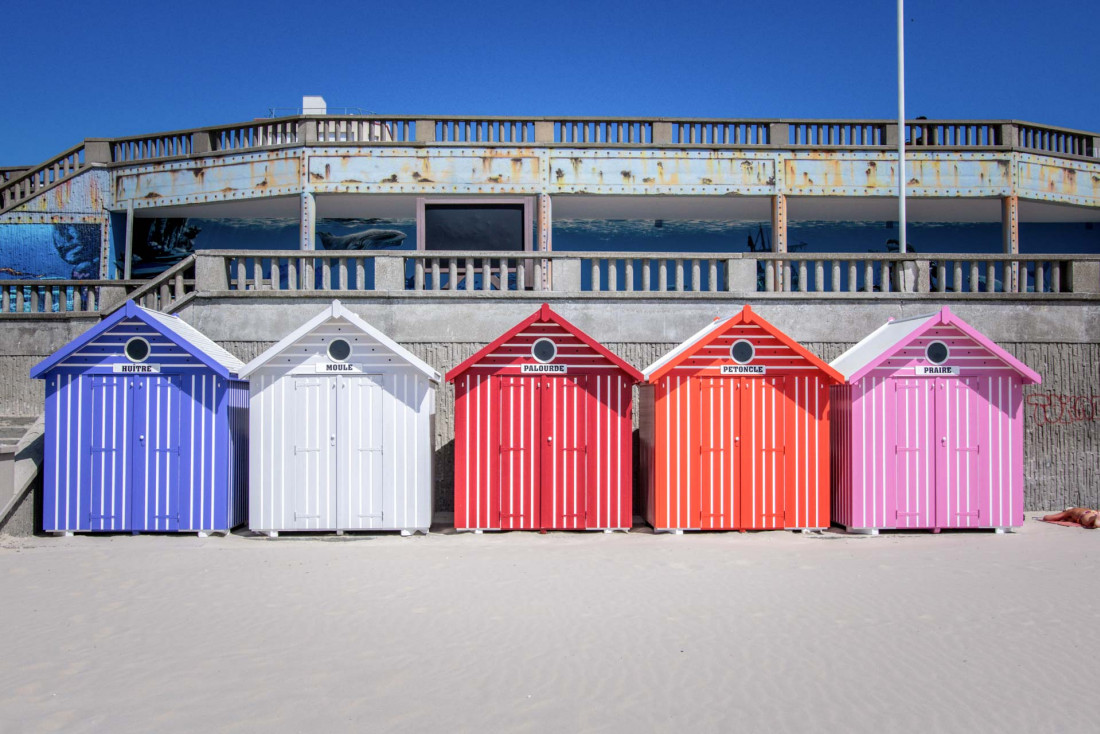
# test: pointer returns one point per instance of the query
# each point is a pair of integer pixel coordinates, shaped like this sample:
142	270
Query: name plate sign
928	371
330	368
744	369
544	369
147	368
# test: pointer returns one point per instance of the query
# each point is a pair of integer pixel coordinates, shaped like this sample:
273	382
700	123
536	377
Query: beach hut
146	429
928	429
734	431
341	422
543	431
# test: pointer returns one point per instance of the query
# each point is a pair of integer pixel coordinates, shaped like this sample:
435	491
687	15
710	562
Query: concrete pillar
201	142
389	273
741	274
425	131
308	222
97	150
1084	276
210	273
110	297
662	133
7	471
544	131
779	133
1010	135
307	131
565	274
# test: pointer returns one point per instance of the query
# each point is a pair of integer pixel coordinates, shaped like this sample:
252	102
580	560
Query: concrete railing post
389	273
307	131
110	297
7	472
892	134
97	150
211	273
201	142
544	131
425	131
565	274
1010	135
741	274
779	133
907	275
662	133
1084	276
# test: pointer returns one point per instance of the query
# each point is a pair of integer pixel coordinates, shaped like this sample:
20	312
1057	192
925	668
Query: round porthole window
544	350
742	351
339	350
936	352
137	349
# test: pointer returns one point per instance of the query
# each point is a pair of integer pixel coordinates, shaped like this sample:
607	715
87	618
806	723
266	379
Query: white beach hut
341	421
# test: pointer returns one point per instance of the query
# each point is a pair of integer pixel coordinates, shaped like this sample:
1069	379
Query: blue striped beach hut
146	429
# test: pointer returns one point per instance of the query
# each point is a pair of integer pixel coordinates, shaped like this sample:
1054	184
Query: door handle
943	441
549	439
141	438
332	440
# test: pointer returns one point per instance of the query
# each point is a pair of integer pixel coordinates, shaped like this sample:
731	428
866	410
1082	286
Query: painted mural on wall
160	243
62	251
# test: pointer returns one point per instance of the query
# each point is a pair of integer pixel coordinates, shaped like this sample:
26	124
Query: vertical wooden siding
936	452
508	475
100	475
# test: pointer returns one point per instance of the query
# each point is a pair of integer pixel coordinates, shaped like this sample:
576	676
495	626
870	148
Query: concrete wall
1061	340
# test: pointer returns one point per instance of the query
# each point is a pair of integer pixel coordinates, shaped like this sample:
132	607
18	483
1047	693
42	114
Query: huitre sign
137	369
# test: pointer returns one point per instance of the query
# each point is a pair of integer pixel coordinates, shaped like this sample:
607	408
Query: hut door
760	436
957	422
108	467
914	470
314	426
563	448
155	442
718	408
359	452
520	426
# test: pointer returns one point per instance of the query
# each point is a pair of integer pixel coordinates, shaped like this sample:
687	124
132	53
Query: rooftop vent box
312	105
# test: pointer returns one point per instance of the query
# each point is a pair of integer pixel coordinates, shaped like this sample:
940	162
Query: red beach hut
928	430
543	431
735	431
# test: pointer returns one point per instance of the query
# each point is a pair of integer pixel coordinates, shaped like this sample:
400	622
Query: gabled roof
715	329
888	339
338	311
187	337
545	314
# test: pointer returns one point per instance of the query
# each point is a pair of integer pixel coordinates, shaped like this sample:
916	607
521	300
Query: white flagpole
901	125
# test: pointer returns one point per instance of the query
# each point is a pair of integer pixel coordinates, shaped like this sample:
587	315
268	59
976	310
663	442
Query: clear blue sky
87	69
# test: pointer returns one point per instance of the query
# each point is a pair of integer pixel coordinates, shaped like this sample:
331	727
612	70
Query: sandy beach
965	631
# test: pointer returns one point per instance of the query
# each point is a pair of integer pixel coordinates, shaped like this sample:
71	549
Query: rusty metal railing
17	185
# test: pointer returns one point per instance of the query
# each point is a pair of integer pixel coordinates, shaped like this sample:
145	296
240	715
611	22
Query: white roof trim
197	339
876	343
684	346
337	310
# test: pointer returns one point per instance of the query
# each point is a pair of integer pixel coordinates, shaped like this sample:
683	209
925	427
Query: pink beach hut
927	431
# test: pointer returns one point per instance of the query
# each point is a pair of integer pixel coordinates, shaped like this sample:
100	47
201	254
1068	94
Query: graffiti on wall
1053	409
65	251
